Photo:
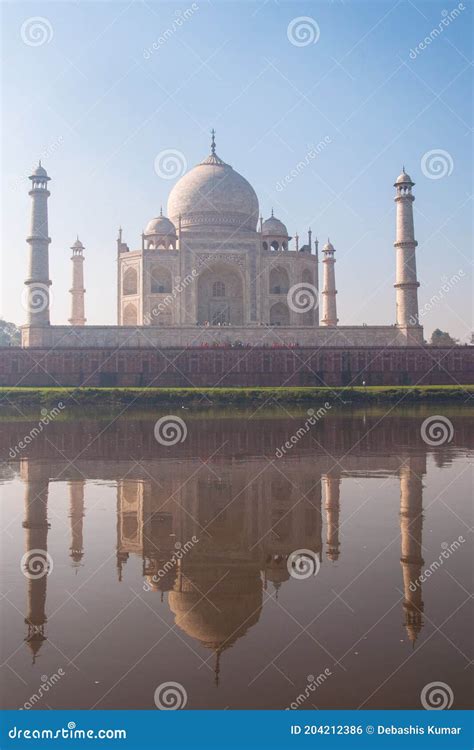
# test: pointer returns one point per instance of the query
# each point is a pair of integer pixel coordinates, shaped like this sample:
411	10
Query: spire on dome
213	142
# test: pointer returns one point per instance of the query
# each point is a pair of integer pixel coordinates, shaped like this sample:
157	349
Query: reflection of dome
273	227
225	614
160	226
213	194
404	178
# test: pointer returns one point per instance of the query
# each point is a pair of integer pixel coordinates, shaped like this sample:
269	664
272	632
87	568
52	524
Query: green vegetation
9	334
442	338
112	397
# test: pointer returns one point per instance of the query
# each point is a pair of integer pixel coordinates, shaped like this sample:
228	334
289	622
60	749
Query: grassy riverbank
98	397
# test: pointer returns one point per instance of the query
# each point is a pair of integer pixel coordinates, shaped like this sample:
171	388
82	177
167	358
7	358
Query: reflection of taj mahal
213	263
240	550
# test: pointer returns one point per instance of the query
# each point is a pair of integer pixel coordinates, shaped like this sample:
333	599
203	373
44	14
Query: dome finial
161	210
213	142
272	213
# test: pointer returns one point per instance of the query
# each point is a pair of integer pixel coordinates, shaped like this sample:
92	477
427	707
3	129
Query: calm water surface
231	621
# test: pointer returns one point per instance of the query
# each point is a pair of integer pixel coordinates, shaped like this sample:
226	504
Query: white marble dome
161	226
212	194
273	227
404	178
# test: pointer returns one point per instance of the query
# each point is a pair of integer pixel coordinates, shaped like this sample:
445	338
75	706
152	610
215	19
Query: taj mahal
213	271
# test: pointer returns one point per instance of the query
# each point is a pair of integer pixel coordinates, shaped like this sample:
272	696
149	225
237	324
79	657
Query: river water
256	559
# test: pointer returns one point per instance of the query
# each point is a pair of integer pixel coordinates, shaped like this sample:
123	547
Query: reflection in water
215	544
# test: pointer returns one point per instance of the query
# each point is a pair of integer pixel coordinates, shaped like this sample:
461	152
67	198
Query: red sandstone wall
237	367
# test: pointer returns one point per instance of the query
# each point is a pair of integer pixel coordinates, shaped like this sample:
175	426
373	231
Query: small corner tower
37	281
329	310
77	290
406	283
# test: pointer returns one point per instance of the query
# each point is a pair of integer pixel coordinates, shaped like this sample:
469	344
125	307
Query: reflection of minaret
332	486
411	525
76	514
36	537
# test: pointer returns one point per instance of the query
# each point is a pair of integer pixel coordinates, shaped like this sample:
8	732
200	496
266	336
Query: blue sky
98	104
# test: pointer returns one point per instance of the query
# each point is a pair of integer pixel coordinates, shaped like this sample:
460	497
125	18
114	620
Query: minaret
77	290
37	281
411	525
332	486
406	283
76	515
329	311
36	559
316	281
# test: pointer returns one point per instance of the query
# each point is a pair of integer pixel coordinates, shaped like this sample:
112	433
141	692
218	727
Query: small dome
329	247
40	172
273	227
404	178
160	226
77	245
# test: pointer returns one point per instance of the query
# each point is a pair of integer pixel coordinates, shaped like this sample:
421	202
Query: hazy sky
99	90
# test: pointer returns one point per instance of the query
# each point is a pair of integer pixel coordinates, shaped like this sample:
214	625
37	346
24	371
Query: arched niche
279	314
279	281
220	296
130	282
